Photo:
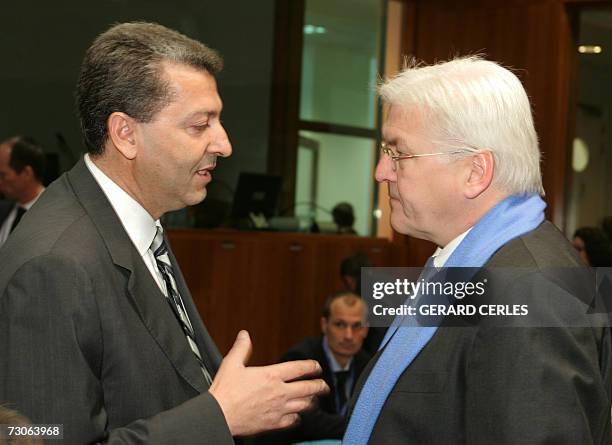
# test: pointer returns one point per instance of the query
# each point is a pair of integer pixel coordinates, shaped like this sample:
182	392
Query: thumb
241	350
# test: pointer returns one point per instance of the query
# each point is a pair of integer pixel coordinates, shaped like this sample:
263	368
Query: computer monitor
256	194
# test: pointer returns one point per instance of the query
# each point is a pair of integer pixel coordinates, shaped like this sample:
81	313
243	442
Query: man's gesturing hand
261	398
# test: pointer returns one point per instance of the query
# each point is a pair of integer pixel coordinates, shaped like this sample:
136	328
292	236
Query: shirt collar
442	254
137	222
331	359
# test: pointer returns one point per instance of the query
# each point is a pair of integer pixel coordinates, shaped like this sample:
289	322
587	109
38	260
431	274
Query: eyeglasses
389	151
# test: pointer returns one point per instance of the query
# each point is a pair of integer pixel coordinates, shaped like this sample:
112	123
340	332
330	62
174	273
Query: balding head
344	325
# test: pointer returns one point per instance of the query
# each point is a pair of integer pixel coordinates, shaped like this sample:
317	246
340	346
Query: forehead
5	153
404	123
192	90
339	309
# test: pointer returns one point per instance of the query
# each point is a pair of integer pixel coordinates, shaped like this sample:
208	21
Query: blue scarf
511	218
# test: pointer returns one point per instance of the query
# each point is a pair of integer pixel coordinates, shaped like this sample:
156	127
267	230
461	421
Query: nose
221	145
384	169
348	333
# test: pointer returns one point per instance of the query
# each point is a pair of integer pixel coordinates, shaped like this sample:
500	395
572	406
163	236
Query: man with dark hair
22	168
339	351
593	246
344	217
350	271
98	330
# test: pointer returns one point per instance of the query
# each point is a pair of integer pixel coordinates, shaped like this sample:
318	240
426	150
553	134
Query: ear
324	325
27	171
480	174
121	129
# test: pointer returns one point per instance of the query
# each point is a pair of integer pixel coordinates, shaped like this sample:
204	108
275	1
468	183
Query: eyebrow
393	142
390	141
200	114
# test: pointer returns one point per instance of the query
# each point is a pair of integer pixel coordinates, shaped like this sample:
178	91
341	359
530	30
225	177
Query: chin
400	225
195	198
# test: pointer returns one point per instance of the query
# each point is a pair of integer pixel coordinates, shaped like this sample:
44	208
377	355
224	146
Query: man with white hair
462	163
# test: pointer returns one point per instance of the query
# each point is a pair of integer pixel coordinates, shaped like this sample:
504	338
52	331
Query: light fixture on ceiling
312	29
580	155
589	49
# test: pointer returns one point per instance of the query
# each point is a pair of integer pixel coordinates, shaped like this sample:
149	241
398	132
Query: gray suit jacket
87	338
483	384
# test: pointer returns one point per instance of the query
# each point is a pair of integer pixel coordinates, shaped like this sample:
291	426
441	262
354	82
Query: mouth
205	172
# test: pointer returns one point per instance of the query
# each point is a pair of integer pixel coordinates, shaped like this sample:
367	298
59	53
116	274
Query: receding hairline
349	300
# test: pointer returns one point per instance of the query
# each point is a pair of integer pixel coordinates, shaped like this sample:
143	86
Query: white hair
472	102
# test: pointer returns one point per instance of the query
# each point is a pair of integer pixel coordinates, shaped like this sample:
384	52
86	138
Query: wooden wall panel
533	37
537	39
271	284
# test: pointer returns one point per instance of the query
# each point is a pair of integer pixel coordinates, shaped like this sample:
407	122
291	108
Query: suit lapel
148	300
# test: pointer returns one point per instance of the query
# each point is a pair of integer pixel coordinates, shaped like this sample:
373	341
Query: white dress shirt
442	254
137	222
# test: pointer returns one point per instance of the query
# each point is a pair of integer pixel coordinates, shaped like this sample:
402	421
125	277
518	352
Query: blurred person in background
22	169
594	246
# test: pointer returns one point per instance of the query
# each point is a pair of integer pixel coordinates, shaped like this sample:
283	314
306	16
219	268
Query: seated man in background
340	354
22	168
344	217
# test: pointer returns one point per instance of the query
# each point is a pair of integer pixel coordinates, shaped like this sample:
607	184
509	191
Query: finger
241	350
306	388
299	405
294	370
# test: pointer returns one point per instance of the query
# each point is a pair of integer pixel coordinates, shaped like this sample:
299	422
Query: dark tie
20	212
160	250
341	378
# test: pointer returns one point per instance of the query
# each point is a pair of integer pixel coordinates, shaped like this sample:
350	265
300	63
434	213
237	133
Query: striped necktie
160	251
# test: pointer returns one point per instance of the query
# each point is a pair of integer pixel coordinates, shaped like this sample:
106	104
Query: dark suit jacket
322	422
5	209
508	385
88	339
